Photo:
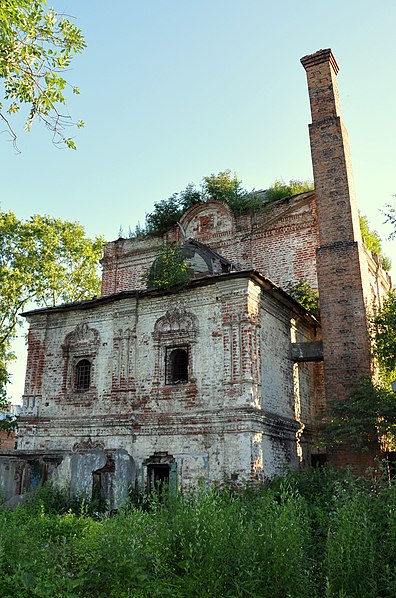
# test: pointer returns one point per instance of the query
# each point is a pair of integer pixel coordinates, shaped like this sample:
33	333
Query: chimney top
318	58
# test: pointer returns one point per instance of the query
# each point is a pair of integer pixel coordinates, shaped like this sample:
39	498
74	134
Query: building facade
220	380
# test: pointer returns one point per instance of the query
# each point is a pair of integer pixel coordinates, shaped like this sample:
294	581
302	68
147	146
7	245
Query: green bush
384	337
168	270
280	189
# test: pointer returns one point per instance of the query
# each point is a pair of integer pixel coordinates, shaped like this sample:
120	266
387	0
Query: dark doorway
158	477
102	485
318	460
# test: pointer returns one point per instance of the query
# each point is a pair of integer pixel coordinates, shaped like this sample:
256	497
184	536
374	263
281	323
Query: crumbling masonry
220	380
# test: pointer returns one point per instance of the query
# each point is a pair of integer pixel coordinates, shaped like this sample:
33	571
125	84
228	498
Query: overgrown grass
312	534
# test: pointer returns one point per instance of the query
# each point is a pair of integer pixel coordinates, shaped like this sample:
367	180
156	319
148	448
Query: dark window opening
83	375
318	460
176	366
158	477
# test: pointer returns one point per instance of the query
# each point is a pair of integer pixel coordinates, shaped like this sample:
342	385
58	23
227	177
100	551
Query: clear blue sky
172	90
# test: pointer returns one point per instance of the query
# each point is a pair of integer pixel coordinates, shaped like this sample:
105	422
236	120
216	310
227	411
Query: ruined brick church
220	380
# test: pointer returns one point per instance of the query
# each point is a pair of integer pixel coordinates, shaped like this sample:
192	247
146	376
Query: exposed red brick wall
340	255
279	242
125	262
35	365
7	441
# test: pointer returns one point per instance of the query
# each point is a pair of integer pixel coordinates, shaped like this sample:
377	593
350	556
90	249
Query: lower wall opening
158	477
102	484
161	473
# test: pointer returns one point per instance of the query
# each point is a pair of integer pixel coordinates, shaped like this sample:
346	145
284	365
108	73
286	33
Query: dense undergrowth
312	534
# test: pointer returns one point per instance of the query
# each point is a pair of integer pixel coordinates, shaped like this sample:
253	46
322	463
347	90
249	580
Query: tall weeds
312	534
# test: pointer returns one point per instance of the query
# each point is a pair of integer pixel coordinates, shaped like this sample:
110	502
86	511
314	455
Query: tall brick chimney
340	256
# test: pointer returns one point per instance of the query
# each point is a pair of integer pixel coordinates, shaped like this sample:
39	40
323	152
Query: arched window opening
177	366
83	375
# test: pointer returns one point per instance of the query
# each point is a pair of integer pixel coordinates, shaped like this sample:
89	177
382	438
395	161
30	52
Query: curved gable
207	218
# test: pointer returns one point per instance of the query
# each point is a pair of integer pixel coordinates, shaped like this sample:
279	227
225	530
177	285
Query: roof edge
254	275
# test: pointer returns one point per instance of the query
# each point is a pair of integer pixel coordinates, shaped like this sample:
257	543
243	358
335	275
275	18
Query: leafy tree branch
36	46
368	414
46	261
390	216
365	417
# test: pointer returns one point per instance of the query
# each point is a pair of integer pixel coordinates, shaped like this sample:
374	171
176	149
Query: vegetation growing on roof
220	187
372	241
280	189
223	186
228	188
168	270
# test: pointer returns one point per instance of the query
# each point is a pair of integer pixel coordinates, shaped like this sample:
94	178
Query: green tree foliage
390	216
225	187
368	413
8	423
306	296
366	416
165	214
168	211
228	188
6	356
36	47
45	261
221	186
384	337
168	270
372	241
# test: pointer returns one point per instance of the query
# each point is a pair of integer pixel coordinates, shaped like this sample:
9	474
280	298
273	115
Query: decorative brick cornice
318	58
